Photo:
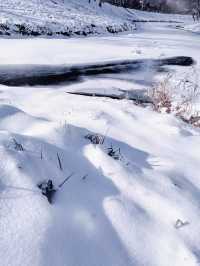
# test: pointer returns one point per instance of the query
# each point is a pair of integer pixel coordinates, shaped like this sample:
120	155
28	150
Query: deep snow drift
132	200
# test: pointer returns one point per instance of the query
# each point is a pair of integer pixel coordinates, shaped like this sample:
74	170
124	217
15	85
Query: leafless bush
178	98
186	108
161	96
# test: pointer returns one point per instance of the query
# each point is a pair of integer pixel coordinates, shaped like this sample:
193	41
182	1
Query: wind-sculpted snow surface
112	211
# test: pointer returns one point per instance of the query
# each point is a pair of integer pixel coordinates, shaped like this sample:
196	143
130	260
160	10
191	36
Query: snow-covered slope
71	17
140	210
79	17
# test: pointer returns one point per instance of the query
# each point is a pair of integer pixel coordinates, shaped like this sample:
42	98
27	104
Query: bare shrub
161	96
190	91
178	98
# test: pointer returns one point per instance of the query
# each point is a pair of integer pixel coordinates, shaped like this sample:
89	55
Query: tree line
183	6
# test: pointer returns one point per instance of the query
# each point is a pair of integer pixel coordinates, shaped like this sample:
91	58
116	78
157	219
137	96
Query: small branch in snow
179	224
136	99
84	177
115	154
18	146
59	162
41	154
66	179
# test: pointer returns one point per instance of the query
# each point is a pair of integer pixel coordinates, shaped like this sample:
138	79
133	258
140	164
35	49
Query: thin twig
59	162
66	179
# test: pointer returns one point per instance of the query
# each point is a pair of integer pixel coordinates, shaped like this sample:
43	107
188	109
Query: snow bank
74	17
71	17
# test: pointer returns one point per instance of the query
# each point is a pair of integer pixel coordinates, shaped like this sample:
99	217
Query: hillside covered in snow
21	18
74	17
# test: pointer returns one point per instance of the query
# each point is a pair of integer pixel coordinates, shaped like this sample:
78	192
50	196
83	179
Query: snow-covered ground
139	209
